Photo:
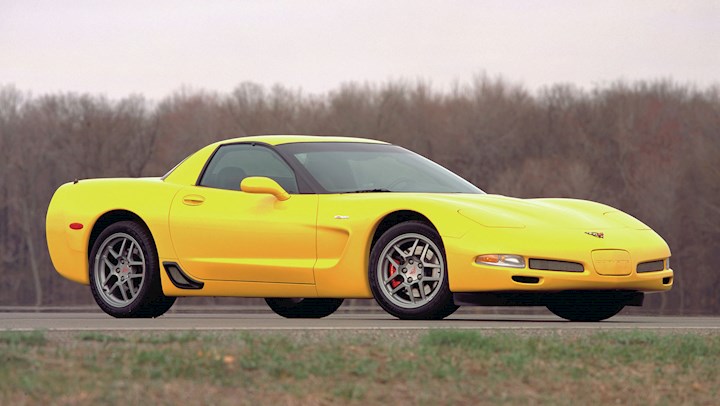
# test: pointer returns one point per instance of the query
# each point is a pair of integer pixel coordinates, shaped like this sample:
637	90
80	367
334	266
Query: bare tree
648	148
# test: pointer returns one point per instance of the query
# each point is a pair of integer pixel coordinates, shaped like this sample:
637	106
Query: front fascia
557	244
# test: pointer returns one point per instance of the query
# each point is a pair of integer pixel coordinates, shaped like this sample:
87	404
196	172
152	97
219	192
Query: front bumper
560	245
541	298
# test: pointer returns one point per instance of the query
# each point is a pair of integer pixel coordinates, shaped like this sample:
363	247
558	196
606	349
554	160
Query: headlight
510	261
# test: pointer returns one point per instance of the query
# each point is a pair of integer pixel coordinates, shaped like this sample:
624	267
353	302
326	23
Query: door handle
193	200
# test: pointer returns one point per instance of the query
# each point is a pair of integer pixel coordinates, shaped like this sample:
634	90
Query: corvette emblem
595	234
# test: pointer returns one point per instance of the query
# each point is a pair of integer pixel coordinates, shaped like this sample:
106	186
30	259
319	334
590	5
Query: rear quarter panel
86	201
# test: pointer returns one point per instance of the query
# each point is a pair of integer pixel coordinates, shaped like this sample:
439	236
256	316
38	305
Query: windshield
358	167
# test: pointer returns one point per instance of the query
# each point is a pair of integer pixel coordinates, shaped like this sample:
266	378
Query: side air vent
550	265
652	266
178	277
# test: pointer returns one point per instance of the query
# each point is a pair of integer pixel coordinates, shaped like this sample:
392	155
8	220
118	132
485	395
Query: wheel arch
437	306
394	218
111	217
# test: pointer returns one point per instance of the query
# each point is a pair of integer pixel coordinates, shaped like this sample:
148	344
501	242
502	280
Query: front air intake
652	266
526	279
551	265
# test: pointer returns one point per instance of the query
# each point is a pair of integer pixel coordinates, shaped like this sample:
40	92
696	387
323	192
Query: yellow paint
257	184
612	262
241	236
270	244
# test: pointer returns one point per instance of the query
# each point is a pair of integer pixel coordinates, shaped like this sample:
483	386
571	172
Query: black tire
440	302
298	308
585	306
147	300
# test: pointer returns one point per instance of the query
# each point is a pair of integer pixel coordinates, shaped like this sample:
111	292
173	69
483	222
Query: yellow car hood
509	212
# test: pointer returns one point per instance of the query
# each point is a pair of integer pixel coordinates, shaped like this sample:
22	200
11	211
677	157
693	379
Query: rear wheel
299	308
585	306
408	274
125	273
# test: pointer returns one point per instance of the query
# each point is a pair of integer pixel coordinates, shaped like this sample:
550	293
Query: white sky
153	47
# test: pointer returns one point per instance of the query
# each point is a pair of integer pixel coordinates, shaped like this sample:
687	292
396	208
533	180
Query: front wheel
585	306
408	273
125	273
299	308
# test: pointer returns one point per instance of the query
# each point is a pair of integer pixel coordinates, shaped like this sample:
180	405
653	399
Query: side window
233	163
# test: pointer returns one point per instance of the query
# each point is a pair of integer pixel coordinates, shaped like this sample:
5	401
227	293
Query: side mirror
261	184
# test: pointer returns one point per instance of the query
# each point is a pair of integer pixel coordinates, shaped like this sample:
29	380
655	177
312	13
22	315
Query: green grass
24	338
99	337
389	367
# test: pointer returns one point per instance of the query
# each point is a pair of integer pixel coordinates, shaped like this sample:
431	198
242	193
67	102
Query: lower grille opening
551	265
652	266
667	280
526	279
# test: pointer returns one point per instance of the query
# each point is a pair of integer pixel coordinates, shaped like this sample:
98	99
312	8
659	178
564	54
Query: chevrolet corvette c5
307	221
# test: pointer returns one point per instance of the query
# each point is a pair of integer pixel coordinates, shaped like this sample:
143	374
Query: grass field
366	367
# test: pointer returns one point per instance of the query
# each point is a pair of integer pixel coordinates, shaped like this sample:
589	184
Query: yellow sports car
307	221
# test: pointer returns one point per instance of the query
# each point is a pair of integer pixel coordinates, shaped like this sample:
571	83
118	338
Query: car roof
289	139
186	172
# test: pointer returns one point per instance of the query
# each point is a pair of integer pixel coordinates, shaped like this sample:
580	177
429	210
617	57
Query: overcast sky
155	47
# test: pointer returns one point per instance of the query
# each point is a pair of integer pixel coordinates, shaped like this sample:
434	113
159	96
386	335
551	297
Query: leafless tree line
649	148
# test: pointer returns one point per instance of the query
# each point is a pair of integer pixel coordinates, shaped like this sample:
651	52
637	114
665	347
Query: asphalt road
339	321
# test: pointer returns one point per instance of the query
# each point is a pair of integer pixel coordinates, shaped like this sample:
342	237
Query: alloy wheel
410	270
119	270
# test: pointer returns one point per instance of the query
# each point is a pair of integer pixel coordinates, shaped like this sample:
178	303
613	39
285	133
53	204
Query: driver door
222	233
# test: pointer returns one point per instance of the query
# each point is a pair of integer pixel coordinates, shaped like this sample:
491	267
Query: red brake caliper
394	283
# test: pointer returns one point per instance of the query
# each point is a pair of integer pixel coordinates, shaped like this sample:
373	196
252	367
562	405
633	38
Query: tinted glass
358	167
233	163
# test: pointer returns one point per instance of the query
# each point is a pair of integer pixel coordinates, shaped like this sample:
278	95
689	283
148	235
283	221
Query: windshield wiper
370	191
